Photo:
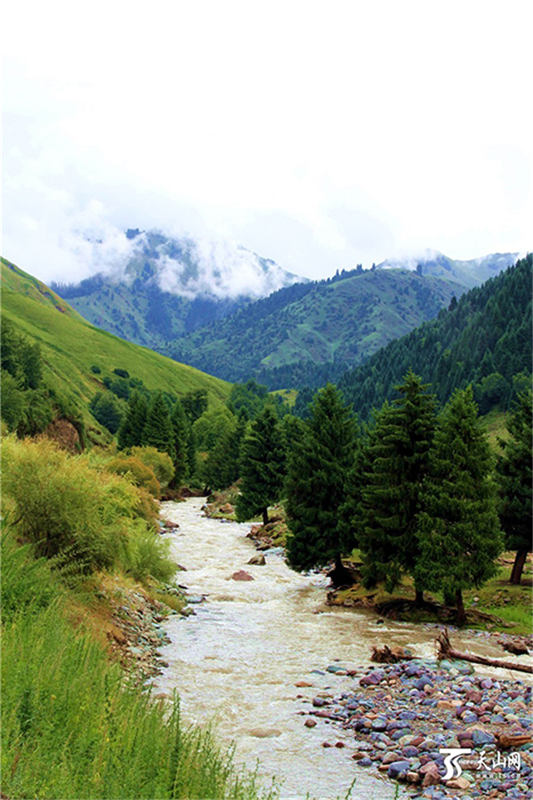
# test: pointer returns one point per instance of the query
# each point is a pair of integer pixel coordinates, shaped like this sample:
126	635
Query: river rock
398	768
241	575
310	723
258	560
458	783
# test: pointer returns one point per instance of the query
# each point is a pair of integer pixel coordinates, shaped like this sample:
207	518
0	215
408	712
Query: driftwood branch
447	651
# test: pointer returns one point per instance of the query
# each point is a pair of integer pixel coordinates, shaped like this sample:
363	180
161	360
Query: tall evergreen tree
316	482
514	472
262	467
157	430
181	432
396	462
458	530
130	433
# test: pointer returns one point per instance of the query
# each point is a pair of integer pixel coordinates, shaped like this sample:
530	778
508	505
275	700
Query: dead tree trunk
447	651
461	613
518	566
265	516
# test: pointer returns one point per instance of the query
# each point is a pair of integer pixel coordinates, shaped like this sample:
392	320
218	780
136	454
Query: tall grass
73	727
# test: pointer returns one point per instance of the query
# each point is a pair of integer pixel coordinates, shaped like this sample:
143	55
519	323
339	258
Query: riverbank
497	605
254	655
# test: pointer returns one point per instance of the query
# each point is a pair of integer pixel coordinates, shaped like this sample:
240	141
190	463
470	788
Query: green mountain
483	339
341	321
79	359
163	288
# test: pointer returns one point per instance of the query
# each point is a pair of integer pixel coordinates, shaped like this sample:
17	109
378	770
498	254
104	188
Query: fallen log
447	651
388	655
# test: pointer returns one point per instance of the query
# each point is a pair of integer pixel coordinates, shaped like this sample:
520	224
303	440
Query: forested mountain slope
484	338
331	323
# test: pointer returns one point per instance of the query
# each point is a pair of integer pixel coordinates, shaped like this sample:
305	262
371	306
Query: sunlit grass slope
70	346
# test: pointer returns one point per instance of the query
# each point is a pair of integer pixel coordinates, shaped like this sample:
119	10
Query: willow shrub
70	510
139	474
72	726
160	463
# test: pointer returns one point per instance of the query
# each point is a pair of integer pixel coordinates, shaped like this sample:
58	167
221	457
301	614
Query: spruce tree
131	429
458	530
514	472
262	467
316	482
180	431
157	430
396	463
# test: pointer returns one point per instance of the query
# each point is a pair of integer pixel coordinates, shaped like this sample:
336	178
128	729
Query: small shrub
146	507
159	462
95	369
147	556
122	373
140	474
62	505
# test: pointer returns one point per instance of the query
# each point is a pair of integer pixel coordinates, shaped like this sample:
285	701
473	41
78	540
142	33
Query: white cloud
318	135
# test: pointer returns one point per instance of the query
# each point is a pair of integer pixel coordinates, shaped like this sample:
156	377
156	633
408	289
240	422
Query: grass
495	426
70	346
73	726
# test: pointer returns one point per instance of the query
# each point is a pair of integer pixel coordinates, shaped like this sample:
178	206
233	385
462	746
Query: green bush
96	370
147	556
61	504
138	473
160	463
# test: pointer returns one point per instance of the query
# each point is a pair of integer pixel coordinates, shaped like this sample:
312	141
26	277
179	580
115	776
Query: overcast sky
320	134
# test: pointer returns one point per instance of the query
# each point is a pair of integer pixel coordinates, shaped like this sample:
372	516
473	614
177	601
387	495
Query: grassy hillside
70	346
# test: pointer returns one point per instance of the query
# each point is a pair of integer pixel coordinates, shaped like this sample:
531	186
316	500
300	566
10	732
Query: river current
236	661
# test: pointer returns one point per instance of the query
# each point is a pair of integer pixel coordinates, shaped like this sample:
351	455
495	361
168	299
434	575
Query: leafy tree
514	472
262	467
131	429
157	431
181	432
106	410
458	530
316	482
397	461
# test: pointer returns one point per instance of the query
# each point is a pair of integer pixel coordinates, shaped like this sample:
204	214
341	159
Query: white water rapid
238	659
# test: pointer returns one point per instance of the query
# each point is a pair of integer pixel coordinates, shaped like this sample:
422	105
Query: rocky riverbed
403	714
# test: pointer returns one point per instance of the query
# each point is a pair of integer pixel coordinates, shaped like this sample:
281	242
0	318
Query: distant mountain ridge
237	315
166	287
469	273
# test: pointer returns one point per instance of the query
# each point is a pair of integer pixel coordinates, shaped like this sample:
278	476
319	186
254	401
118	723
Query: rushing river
236	662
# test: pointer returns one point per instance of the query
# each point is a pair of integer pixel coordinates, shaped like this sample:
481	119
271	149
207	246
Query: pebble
404	713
